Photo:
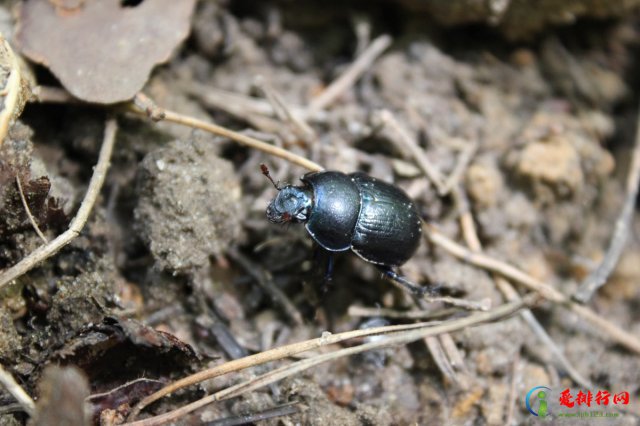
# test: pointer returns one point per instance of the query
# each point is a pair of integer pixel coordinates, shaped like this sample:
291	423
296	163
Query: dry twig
32	219
510	272
442	361
407	143
412	333
271	413
10	384
417	314
268	356
157	113
598	278
78	222
462	163
473	242
472	305
351	75
265	281
285	113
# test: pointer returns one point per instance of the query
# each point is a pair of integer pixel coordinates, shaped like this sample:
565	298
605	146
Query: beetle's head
292	204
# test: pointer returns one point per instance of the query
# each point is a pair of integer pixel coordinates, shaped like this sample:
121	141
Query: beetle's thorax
292	204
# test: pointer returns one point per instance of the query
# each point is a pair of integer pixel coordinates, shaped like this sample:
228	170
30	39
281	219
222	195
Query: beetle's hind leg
415	289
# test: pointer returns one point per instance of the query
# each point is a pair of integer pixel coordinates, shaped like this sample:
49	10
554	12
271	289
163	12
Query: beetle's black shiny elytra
377	220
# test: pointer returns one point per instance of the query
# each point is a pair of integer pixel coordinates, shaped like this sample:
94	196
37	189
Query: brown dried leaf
101	51
118	348
62	398
118	401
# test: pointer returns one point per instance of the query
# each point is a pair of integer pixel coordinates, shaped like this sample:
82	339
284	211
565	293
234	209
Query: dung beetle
376	220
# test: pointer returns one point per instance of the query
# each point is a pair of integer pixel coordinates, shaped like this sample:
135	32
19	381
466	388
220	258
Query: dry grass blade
417	314
489	263
271	413
97	179
442	361
284	112
10	384
510	272
407	143
396	338
351	75
464	159
268	356
471	237
156	113
265	281
32	219
472	305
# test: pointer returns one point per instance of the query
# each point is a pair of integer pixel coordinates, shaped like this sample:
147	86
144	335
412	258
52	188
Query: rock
551	165
484	183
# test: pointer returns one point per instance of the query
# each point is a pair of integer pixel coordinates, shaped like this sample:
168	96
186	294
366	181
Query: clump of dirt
17	162
11	343
189	204
521	19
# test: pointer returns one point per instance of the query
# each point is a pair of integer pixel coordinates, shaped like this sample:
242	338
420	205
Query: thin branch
462	163
158	113
268	356
255	111
453	353
231	102
489	263
271	413
352	74
265	281
472	305
32	219
417	314
10	384
473	242
95	184
407	143
390	340
285	113
442	361
598	278
512	273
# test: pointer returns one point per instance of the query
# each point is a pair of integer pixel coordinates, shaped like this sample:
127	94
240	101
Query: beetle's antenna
265	171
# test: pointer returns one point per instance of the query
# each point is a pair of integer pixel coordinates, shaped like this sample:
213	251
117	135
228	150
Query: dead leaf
102	51
62	398
118	348
118	402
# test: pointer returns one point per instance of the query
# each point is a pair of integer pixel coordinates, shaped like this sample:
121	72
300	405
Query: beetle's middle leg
324	262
